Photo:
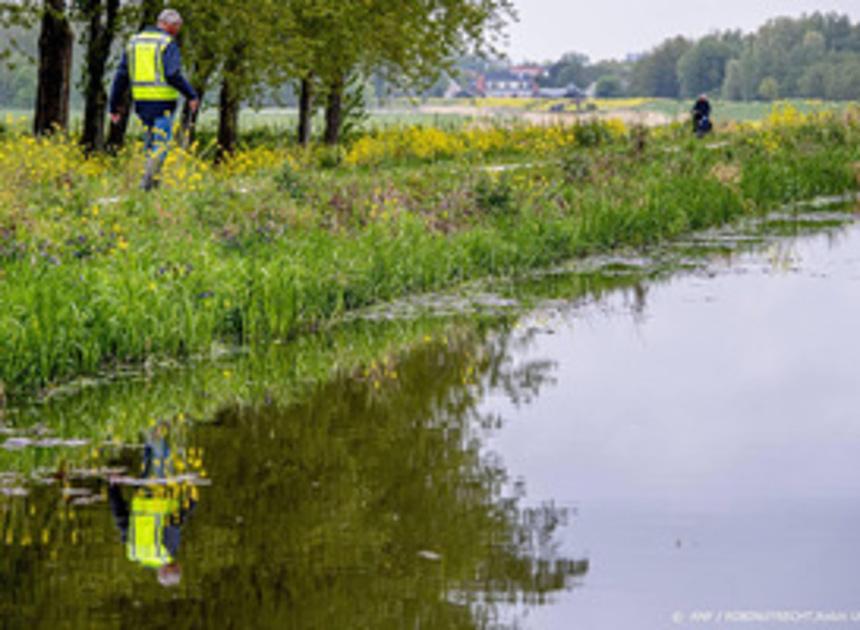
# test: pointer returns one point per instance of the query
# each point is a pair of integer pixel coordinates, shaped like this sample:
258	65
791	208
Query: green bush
494	194
290	181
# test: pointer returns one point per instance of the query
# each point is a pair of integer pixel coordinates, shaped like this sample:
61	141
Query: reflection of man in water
151	525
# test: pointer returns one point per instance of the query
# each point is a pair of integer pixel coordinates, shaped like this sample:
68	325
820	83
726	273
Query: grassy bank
272	243
99	414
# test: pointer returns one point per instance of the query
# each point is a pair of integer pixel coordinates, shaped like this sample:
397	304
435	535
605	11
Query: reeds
95	274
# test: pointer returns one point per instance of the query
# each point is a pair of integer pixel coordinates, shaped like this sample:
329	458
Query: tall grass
234	257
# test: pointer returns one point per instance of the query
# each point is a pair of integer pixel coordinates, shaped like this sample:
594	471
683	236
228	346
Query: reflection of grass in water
117	412
799	227
358	492
105	411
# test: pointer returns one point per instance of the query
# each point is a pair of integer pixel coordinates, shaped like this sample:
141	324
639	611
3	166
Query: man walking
152	65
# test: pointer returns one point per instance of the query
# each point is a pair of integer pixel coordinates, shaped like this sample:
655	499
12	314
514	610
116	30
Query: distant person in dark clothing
702	115
152	66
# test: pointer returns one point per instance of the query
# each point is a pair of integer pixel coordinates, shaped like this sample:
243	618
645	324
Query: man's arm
173	72
119	509
121	83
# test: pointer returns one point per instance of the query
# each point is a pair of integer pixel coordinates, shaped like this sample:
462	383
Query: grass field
462	111
741	111
278	240
276	120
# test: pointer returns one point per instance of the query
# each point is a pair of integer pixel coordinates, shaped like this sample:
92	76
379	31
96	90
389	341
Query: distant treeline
814	56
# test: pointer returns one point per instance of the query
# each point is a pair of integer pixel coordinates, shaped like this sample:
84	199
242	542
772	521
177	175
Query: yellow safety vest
145	540
145	54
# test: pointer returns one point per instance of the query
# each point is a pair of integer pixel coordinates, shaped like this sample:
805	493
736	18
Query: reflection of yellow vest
145	541
146	67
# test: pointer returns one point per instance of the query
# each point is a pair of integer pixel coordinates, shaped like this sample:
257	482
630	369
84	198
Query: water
645	446
709	442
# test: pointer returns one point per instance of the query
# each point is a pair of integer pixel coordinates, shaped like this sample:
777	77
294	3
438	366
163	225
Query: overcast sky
612	28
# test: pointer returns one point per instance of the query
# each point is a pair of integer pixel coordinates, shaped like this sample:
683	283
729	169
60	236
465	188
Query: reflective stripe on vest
146	67
145	542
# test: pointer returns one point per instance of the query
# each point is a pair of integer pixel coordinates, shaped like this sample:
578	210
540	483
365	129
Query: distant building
507	84
515	82
533	72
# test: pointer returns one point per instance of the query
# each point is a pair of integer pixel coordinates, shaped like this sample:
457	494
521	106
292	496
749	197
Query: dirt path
628	116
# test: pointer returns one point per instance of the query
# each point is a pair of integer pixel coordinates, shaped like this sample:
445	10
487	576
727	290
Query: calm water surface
709	441
627	454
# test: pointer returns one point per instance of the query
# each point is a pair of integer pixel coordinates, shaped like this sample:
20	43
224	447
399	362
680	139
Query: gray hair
169	16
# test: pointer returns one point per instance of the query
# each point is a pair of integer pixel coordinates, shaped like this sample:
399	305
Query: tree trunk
116	137
305	110
228	120
102	30
55	69
334	112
